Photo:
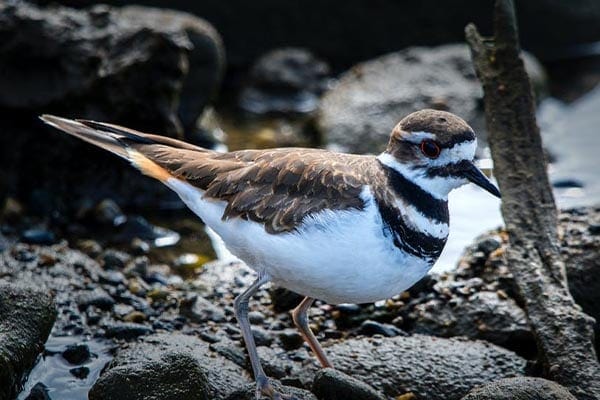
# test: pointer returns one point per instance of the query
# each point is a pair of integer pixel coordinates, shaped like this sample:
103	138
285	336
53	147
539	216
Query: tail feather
105	139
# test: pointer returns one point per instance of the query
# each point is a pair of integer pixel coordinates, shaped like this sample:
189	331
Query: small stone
200	310
38	392
488	245
80	372
139	247
370	328
127	331
107	212
333	384
262	337
290	339
256	317
594	229
114	259
90	247
135	316
283	299
97	297
111	277
37	236
77	354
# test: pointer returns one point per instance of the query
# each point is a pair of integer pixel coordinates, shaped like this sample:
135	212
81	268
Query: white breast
335	256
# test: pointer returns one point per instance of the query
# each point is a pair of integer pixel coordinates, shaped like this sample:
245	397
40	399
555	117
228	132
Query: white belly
335	256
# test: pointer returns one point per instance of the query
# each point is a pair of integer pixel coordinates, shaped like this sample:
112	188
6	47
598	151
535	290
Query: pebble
290	339
97	297
114	259
256	317
38	392
80	372
370	328
37	236
77	354
262	337
127	330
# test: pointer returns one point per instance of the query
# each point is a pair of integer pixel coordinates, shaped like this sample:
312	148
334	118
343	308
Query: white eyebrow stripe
416	137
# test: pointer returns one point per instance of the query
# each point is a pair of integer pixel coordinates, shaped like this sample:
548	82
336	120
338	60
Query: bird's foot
264	388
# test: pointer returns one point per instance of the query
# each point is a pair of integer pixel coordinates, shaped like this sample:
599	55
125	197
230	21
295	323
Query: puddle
54	372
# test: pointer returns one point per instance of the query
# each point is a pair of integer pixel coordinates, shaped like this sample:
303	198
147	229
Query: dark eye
430	148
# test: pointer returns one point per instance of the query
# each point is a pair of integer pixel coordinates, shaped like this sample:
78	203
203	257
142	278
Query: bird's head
435	150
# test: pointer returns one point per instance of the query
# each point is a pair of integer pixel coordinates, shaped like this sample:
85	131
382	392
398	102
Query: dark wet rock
520	388
200	310
111	277
283	299
38	392
127	330
370	328
431	368
256	317
77	353
290	339
80	372
483	315
97	63
37	236
262	337
139	227
331	384
288	80
578	247
168	366
107	212
114	259
26	318
97	298
358	114
249	392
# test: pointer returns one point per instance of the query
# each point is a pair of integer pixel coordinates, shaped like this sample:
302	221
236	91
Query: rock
114	259
482	315
358	113
97	297
26	318
283	299
127	330
290	339
262	337
80	372
200	310
97	63
288	80
76	353
248	392
168	366
331	384
370	328
37	236
520	388
38	392
431	368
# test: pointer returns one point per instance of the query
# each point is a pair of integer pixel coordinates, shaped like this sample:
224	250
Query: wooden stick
564	334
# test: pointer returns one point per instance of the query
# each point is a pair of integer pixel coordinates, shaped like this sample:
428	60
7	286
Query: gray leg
263	387
300	317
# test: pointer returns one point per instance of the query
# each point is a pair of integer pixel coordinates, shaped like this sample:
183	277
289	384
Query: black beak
474	174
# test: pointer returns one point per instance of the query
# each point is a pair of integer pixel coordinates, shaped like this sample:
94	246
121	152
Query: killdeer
342	228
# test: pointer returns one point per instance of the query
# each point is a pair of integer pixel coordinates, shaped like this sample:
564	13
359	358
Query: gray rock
97	297
168	366
331	384
482	315
26	318
127	330
358	114
248	392
432	368
200	310
288	80
149	69
520	388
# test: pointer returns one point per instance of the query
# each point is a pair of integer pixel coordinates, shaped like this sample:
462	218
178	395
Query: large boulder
431	368
26	318
520	388
168	366
358	114
348	32
150	69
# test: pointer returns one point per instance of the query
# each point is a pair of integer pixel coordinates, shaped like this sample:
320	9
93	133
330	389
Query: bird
341	228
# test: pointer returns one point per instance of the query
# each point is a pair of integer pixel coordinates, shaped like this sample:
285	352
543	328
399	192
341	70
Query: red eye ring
430	149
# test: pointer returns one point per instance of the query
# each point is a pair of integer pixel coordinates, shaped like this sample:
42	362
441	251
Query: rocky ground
129	327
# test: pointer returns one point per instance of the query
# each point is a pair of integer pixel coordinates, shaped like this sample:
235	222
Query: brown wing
277	187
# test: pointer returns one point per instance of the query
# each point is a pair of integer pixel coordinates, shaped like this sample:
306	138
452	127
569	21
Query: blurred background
237	74
232	74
